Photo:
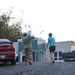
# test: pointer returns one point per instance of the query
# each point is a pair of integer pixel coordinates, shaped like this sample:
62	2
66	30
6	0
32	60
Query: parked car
69	56
7	51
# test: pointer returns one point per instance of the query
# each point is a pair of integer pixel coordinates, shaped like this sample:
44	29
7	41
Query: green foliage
11	32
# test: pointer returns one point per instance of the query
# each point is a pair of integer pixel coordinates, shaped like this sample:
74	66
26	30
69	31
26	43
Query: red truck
7	51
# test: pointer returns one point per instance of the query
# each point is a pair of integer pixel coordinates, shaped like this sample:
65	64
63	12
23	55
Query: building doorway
58	55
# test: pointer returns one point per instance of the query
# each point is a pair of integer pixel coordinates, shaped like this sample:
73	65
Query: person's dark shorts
52	48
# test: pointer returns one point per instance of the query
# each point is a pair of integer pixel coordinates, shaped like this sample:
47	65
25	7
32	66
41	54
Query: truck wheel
13	62
5	62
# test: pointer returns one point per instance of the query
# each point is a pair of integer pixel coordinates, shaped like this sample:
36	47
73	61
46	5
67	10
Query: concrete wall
66	46
37	46
16	47
72	46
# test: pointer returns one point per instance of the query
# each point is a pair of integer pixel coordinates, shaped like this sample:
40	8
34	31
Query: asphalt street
38	68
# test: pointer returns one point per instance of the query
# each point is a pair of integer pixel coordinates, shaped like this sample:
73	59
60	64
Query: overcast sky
56	16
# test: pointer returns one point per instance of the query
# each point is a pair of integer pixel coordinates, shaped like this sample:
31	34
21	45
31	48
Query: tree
11	32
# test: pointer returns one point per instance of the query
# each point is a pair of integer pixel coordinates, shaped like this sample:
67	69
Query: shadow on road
5	64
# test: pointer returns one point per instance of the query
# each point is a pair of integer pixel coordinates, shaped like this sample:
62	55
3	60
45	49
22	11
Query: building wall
47	55
65	46
16	47
41	48
72	46
37	46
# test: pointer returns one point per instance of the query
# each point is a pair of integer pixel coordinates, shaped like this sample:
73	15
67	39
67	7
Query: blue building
38	46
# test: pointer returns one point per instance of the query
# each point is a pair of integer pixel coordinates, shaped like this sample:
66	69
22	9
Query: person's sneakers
53	62
29	62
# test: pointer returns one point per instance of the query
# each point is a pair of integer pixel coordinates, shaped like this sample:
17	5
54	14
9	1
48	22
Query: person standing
52	47
28	48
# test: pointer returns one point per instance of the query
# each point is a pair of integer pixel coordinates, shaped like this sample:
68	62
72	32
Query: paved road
39	68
